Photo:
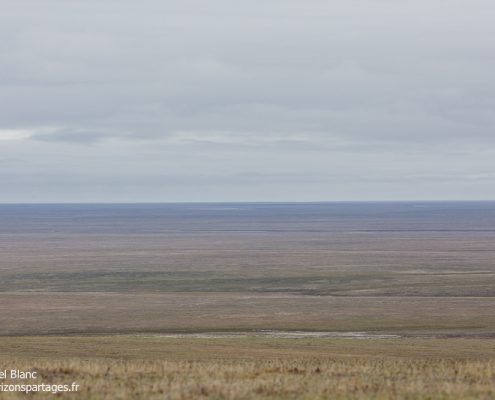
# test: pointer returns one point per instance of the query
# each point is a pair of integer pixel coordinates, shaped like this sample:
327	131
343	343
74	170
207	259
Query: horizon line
249	202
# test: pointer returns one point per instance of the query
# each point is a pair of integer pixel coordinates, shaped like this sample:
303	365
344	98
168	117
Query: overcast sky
229	100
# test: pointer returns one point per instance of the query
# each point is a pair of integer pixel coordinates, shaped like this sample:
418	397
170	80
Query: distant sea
248	217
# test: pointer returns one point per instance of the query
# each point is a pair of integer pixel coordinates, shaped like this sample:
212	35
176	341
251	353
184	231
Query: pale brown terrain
154	367
93	283
73	313
249	302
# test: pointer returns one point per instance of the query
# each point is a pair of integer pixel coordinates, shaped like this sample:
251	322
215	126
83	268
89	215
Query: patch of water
279	334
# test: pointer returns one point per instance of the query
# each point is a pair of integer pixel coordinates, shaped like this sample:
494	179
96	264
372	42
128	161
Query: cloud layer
229	100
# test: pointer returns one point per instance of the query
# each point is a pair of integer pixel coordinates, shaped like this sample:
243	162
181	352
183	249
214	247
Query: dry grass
278	379
139	367
131	347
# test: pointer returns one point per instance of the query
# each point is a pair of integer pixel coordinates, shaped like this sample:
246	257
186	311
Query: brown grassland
169	302
154	367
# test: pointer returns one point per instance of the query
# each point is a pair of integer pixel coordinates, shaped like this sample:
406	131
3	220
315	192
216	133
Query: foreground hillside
282	379
131	367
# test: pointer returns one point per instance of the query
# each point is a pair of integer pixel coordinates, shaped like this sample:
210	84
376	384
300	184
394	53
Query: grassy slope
124	367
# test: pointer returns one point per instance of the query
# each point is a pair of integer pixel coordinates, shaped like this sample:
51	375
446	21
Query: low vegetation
155	367
353	378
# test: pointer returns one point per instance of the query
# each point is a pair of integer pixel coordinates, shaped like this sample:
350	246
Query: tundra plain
83	286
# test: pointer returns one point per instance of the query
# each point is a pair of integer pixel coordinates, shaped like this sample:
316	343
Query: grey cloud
392	88
73	136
